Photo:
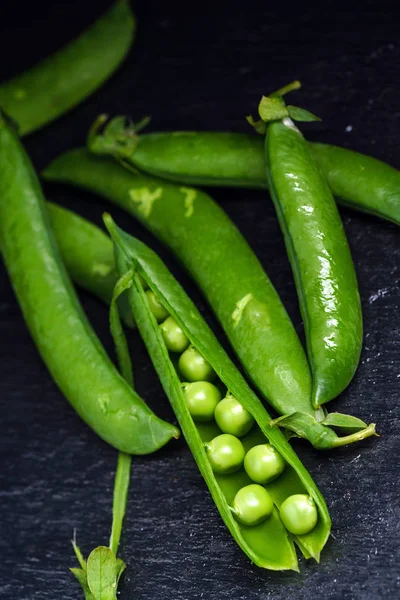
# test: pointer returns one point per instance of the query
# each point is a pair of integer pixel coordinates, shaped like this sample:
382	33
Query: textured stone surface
205	68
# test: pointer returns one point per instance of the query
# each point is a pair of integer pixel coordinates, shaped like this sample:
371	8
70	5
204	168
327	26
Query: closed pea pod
238	160
57	323
64	79
318	251
267	543
88	256
240	293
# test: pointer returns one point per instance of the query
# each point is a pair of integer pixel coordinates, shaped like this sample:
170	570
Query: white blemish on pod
240	306
145	199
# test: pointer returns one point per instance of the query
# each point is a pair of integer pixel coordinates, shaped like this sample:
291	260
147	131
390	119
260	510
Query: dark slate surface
206	67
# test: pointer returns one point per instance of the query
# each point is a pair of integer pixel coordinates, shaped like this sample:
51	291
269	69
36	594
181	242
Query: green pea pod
267	544
63	80
238	160
201	235
68	345
87	253
319	254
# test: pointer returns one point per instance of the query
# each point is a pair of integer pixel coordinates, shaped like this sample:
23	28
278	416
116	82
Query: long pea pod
61	81
318	250
268	544
201	235
67	343
227	159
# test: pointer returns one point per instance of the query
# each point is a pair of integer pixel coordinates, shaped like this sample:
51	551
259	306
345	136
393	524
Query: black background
205	67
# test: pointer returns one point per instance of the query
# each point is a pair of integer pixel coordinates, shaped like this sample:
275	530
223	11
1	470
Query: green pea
225	453
252	505
159	312
201	399
174	338
194	366
232	417
263	463
299	514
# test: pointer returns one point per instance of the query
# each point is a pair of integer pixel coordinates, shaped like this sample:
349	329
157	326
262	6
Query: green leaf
116	127
272	109
344	422
81	577
300	114
102	573
118	136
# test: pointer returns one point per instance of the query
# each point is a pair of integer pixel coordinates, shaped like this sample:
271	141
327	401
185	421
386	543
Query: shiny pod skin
67	343
320	257
225	159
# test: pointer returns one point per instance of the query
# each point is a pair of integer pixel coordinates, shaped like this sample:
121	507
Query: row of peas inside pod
234	443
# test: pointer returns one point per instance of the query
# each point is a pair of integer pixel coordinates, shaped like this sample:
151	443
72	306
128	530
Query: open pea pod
267	544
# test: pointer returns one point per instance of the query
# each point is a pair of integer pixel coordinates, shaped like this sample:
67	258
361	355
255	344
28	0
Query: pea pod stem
136	259
303	426
207	158
58	83
121	487
240	293
122	475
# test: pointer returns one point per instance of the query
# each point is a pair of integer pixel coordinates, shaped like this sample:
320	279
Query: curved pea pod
87	253
268	544
238	160
63	80
67	343
202	236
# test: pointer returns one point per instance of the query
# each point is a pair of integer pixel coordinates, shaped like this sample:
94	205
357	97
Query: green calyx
274	108
321	435
118	136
